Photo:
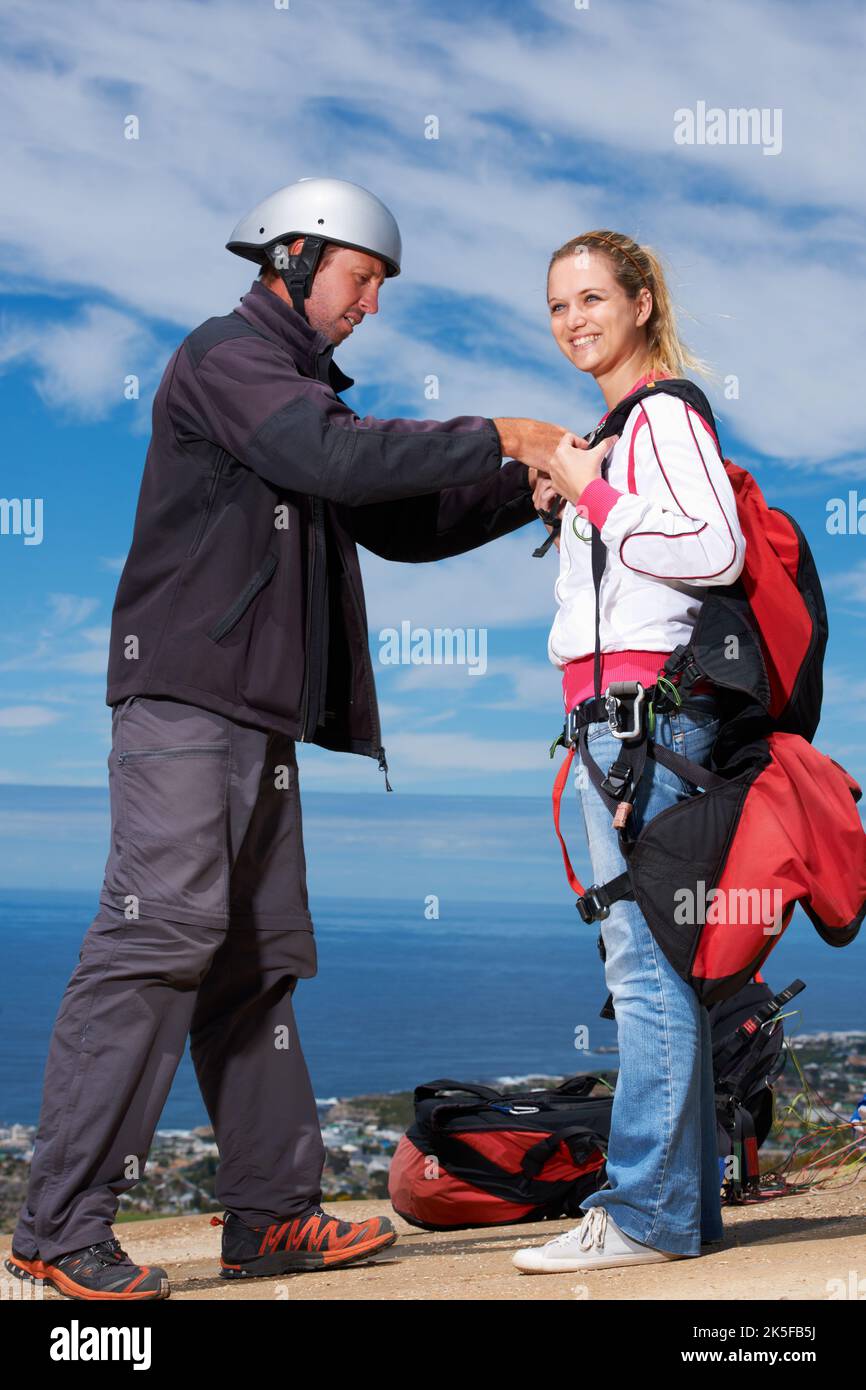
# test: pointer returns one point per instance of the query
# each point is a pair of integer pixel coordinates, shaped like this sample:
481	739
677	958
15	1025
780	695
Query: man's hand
544	495
530	441
546	499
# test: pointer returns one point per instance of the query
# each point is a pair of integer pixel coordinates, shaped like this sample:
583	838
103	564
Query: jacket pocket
233	615
208	507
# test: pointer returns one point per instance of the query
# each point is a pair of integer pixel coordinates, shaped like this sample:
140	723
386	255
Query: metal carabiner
614	696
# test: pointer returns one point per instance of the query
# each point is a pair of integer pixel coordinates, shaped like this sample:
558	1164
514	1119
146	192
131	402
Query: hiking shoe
28	1271
101	1271
303	1243
597	1243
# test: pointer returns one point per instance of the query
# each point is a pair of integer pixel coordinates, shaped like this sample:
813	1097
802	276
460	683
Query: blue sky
552	120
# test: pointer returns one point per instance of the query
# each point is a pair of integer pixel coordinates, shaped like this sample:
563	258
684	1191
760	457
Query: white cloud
532	148
68	610
57	648
849	584
85	663
22	718
498	585
81	365
530	684
424	760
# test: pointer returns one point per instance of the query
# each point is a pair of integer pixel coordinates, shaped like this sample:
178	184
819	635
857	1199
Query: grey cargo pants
203	929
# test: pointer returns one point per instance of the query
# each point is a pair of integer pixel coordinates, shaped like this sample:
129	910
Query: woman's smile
585	340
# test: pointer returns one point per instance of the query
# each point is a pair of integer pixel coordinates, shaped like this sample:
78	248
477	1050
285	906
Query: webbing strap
684	767
558	788
608	893
535	1158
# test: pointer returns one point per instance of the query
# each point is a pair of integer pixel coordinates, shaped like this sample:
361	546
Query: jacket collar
311	350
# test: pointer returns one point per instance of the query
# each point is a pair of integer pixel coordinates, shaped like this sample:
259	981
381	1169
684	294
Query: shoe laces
592	1228
590	1231
107	1252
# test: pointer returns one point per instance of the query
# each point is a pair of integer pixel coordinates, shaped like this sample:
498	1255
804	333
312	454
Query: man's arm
448	522
300	437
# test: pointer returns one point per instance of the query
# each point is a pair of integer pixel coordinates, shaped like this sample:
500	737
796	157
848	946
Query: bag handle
535	1158
579	1085
430	1089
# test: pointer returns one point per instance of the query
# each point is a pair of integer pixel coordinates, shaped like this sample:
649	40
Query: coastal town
822	1089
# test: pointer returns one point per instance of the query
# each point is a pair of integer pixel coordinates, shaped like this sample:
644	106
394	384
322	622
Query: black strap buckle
590	906
572	727
618	778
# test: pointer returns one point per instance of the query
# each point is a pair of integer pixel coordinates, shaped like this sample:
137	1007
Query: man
238	628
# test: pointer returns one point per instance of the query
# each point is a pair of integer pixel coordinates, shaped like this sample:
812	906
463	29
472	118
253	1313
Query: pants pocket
173	832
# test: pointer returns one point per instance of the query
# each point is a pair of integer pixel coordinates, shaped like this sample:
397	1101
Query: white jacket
669	520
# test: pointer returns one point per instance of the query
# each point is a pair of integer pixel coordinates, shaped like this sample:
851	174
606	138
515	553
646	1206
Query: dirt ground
791	1247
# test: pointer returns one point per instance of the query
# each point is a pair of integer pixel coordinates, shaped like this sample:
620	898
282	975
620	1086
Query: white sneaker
597	1243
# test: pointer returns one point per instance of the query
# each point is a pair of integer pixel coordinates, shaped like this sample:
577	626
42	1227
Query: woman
668	518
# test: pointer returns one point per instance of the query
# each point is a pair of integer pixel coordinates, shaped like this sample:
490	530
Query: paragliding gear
748	1058
615	697
553	520
477	1156
772	819
320	211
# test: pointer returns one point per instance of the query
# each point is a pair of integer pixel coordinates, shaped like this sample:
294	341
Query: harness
630	710
780	827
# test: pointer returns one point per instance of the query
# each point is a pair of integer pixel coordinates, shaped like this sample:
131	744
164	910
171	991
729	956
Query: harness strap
632	761
558	788
684	767
602	894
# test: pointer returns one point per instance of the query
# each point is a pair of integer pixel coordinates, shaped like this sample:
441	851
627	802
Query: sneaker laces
592	1228
107	1252
590	1231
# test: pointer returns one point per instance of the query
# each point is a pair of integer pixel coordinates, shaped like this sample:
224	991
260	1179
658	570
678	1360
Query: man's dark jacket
242	590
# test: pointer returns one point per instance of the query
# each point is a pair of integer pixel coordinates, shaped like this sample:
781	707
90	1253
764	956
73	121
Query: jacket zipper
244	599
315	597
370	680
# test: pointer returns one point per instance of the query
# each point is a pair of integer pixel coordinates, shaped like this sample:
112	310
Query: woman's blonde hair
635	267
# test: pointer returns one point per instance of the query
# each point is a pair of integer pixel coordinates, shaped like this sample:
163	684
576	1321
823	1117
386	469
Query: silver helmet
321	211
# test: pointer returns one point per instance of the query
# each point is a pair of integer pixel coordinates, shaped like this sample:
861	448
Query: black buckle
682	664
590	906
572	728
617	780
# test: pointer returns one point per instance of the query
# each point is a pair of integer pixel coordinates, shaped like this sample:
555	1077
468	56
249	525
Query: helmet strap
296	272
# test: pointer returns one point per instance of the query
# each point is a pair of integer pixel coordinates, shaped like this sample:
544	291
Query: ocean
490	989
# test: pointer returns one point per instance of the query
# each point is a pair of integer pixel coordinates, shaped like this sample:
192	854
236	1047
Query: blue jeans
662	1163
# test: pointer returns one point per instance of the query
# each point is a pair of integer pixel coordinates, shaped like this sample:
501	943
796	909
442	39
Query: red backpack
776	823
